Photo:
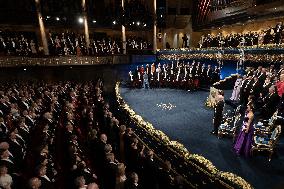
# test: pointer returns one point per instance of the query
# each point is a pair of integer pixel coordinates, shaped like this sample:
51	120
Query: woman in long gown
244	140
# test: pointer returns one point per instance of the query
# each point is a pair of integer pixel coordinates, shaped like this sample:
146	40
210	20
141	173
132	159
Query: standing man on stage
184	41
218	112
145	81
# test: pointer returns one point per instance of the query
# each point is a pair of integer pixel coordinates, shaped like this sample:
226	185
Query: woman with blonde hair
5	179
120	176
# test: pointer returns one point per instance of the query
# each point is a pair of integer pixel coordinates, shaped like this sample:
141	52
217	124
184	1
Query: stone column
155	27
123	35
86	26
175	40
41	28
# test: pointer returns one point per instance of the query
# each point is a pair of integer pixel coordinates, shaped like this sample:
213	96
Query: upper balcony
227	12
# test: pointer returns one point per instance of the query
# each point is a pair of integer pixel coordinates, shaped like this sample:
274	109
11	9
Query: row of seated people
68	43
74	44
63	135
26	131
137	43
272	35
262	87
30	129
18	43
216	5
65	43
188	76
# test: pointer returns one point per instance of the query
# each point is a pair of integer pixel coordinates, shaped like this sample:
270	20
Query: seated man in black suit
166	177
150	171
46	182
109	173
9	163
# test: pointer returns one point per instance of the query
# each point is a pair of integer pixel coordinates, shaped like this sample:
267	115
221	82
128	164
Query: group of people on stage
262	87
272	35
260	94
188	76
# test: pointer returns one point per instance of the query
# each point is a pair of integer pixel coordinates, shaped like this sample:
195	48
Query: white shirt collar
7	159
46	177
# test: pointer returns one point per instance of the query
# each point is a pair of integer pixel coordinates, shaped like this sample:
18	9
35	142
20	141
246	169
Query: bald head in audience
92	186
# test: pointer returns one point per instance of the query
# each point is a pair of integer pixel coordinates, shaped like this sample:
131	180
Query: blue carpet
190	123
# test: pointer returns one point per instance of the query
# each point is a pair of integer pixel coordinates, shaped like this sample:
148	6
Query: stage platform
183	116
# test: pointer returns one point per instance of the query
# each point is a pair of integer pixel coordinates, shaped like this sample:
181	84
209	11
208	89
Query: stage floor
183	117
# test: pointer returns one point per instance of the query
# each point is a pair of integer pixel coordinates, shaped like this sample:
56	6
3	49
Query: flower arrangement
178	147
205	162
254	47
240	182
211	56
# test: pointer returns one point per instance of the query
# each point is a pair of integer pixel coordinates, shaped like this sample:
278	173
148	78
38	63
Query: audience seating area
64	135
18	43
66	43
217	5
272	35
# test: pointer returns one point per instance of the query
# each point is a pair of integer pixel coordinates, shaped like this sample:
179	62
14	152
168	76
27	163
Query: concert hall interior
141	94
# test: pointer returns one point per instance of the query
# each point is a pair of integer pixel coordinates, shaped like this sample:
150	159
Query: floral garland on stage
255	47
178	147
235	179
233	57
203	161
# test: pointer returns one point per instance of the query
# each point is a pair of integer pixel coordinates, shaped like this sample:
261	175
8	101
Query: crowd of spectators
137	43
18	43
273	35
63	135
74	44
217	5
66	43
261	87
